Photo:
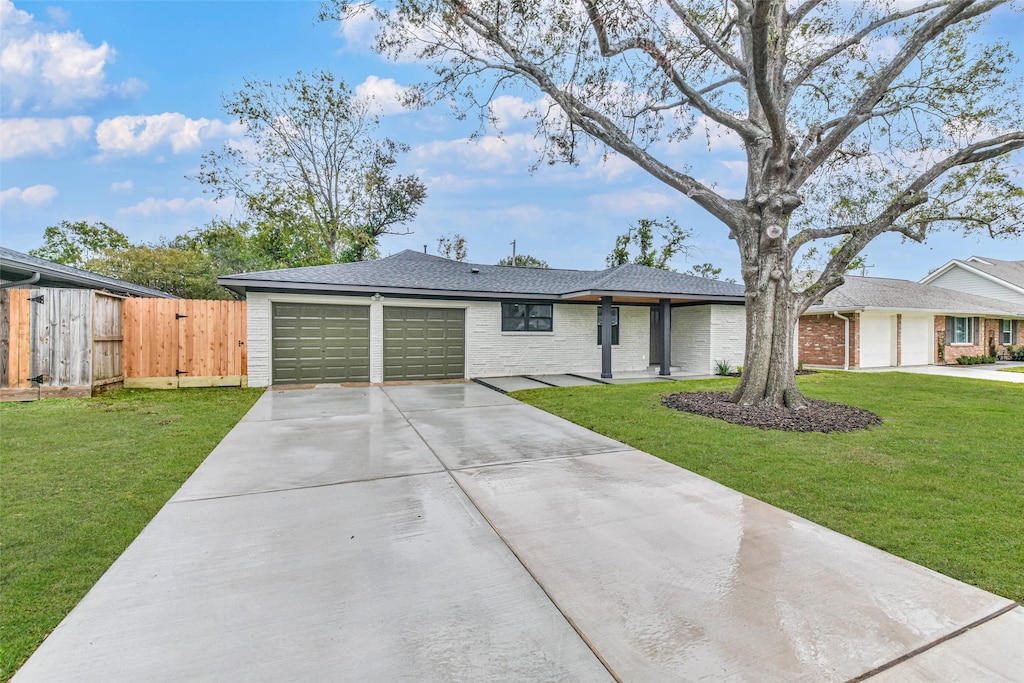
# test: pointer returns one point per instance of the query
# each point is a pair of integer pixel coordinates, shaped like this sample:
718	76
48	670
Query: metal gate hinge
38	379
37	299
179	316
178	373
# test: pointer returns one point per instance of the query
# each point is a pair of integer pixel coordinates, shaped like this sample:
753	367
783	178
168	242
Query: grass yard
1018	368
940	483
79	479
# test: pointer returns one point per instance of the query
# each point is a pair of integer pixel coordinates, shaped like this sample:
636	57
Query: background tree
708	270
188	274
856	118
73	244
523	261
312	163
642	238
452	246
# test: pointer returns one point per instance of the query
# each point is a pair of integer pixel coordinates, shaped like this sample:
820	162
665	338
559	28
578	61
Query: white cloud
382	95
489	152
157	207
23	137
33	196
359	25
123	186
125	135
634	202
43	70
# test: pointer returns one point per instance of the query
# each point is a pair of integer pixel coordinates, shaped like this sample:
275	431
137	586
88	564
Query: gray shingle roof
859	293
414	272
15	265
1008	271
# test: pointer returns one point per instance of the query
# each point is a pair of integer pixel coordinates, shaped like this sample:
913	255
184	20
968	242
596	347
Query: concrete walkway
449	533
989	372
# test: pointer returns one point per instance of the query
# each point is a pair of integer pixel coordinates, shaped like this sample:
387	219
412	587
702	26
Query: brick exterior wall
989	330
821	338
571	347
702	335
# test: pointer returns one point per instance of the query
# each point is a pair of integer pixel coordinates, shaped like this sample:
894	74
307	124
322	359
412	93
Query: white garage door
916	342
876	340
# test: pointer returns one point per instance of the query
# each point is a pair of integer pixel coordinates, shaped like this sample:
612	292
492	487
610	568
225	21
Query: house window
1007	332
962	330
615	326
524	317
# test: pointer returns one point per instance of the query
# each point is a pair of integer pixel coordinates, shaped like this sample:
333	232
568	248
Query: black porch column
666	337
606	336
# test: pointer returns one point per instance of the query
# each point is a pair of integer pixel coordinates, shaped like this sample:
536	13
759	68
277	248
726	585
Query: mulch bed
818	416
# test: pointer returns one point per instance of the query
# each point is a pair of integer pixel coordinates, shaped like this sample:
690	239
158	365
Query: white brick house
415	316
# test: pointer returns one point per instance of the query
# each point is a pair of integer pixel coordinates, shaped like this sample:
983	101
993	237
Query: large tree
311	163
76	243
857	118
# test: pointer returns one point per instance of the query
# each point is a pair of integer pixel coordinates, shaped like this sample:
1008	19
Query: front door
655	336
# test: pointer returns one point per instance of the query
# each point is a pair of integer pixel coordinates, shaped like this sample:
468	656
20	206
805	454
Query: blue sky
108	106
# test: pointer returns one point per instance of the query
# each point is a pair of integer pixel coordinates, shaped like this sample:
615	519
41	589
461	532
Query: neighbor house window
615	326
1007	332
524	317
962	330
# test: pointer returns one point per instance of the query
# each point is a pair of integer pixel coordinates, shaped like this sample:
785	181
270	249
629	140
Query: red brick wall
989	331
822	337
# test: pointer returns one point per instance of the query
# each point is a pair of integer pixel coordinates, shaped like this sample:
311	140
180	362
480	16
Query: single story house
22	271
981	275
416	316
872	322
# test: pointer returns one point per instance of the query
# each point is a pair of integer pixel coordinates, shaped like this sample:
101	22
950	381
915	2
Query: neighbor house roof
1008	273
15	266
866	293
413	273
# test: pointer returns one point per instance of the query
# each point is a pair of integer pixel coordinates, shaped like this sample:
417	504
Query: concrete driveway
447	532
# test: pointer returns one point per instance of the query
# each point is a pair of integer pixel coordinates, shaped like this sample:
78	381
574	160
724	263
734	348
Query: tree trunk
768	368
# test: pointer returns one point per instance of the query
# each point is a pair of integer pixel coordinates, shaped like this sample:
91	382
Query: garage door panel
424	343
320	343
916	343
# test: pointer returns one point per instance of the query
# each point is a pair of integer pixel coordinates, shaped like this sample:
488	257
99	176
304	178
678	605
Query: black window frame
615	326
531	311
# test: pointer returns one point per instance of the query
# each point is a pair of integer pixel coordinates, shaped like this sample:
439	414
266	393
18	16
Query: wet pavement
450	533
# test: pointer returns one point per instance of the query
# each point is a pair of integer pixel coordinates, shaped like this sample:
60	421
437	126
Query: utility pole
513	243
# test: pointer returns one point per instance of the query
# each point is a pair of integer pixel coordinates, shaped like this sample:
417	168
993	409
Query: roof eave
83	281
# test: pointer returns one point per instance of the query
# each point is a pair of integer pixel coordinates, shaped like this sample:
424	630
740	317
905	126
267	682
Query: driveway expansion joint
935	643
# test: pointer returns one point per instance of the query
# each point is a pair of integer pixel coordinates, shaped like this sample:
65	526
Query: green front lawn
79	479
940	483
1018	368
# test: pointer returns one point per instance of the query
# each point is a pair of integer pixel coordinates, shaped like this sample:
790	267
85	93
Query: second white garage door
916	340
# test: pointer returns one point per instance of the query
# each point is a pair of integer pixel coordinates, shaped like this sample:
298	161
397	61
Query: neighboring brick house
880	322
416	316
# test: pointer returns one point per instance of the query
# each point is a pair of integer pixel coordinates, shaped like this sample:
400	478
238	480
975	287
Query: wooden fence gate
170	343
58	342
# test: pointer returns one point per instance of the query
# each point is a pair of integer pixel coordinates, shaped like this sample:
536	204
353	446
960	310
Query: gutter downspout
31	281
846	339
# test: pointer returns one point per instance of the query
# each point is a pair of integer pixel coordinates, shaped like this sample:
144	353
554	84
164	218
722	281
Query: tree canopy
523	261
642	237
856	118
311	164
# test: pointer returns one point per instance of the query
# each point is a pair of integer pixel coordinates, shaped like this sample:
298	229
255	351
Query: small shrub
975	360
722	367
739	369
1015	352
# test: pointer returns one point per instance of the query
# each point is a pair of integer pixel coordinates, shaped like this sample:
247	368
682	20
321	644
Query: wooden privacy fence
58	342
170	343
